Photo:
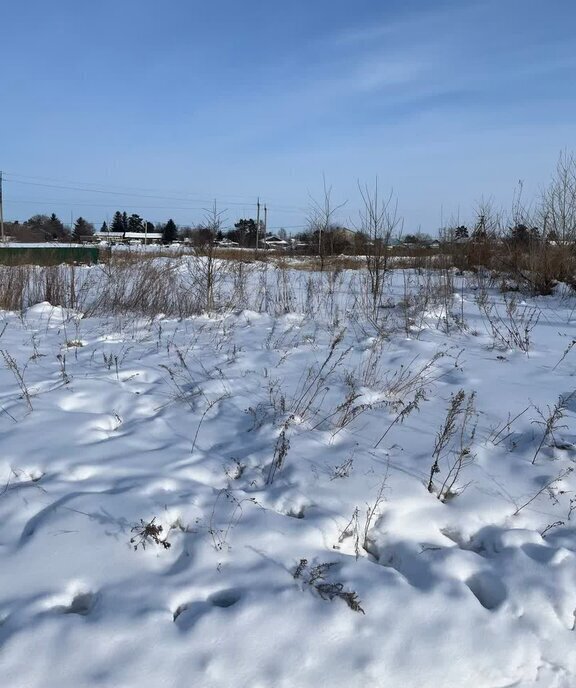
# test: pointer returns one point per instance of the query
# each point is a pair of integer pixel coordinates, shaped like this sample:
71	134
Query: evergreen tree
419	238
124	221
244	232
117	223
56	228
104	227
135	223
169	232
522	235
461	233
82	228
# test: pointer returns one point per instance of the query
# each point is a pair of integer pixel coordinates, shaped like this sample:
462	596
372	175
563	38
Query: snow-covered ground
287	460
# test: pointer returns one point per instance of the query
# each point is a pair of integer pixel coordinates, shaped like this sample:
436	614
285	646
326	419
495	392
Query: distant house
226	243
271	241
297	245
129	237
143	237
110	237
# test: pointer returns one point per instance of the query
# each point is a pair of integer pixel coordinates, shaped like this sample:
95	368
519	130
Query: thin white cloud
380	72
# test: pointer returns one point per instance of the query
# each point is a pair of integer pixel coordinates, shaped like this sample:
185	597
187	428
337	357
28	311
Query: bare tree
203	269
378	221
558	203
321	219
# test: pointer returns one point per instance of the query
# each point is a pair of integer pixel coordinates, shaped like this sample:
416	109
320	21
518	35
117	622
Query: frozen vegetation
253	476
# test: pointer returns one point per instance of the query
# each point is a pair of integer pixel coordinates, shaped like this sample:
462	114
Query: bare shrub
18	374
550	422
360	531
145	533
233	508
513	329
13	286
456	426
548	485
315	577
280	451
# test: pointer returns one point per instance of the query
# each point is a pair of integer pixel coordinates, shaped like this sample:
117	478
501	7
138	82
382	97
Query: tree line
42	227
549	218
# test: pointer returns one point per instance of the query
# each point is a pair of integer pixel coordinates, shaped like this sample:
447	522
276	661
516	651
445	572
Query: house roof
142	235
273	239
109	235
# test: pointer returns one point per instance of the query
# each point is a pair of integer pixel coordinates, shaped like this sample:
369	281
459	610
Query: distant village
133	230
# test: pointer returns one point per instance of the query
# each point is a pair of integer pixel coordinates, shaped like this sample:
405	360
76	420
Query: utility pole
265	220
257	221
1	213
145	232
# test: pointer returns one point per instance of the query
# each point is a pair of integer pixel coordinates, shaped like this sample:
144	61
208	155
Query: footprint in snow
187	614
487	589
82	604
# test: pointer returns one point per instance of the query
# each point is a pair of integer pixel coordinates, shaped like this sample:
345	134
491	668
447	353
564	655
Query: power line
110	193
72	204
113	186
129	193
11	177
100	205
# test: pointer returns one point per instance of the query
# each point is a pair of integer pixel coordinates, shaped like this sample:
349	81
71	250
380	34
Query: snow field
257	440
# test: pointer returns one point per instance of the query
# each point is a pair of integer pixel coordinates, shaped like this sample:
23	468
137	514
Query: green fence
49	255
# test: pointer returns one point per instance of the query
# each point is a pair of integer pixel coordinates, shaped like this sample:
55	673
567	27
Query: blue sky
172	104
